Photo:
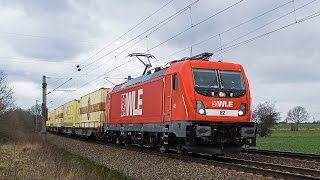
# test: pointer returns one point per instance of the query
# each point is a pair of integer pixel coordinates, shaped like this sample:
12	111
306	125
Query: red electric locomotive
192	105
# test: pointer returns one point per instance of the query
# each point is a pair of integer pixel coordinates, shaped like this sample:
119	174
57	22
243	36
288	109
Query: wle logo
222	104
131	103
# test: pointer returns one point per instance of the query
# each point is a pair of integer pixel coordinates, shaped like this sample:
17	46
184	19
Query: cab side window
175	82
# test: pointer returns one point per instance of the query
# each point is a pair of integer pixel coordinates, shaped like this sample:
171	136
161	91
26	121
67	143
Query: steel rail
284	168
292	155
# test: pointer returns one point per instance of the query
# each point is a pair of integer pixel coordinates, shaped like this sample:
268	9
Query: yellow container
59	116
48	121
52	118
92	108
71	114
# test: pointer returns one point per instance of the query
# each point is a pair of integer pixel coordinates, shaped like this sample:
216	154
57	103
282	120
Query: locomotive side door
167	98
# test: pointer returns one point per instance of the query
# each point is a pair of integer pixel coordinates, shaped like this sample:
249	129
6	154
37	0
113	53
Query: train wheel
127	143
180	150
163	149
214	156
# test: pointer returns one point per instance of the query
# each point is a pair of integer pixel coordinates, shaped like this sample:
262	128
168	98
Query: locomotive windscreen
231	80
205	78
209	82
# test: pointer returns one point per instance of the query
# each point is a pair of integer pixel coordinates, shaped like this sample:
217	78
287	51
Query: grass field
24	154
306	140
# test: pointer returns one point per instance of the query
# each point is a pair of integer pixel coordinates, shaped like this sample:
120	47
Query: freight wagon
92	112
83	117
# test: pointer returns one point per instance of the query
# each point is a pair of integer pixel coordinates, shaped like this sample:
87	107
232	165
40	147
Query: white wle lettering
131	104
222	104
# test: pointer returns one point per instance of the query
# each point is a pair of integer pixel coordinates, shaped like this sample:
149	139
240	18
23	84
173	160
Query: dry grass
38	160
24	154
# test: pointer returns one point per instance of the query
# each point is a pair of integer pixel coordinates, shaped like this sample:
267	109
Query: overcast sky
51	37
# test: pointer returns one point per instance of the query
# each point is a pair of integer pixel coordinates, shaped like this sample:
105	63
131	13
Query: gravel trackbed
138	165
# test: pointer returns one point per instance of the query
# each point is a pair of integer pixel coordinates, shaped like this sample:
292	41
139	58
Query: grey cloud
61	30
276	65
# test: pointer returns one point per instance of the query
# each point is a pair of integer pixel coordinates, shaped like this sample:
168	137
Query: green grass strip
103	171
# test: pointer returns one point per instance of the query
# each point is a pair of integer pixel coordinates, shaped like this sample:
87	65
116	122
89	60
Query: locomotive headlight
222	94
241	113
242	110
200	108
201	111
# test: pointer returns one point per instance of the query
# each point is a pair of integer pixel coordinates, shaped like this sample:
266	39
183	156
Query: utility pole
37	121
44	105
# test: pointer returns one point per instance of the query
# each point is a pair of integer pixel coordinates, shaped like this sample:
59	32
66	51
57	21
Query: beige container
92	108
59	116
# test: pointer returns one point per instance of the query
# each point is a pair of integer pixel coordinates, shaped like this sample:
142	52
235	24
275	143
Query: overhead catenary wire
150	49
160	24
63	95
243	42
165	21
59	86
181	32
198	23
268	33
42	37
260	27
69	74
225	31
131	29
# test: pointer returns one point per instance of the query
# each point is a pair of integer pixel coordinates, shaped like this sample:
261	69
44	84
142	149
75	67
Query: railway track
300	156
261	168
289	172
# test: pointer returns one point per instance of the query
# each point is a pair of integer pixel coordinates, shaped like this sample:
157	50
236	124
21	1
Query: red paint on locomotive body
173	96
149	102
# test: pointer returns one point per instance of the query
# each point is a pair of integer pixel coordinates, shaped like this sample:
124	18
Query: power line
32	61
233	46
62	96
42	37
244	42
131	29
120	38
59	86
200	22
155	26
265	34
223	32
260	27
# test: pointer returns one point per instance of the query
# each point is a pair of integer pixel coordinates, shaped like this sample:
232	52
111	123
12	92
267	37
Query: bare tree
297	115
36	116
6	95
265	116
35	110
